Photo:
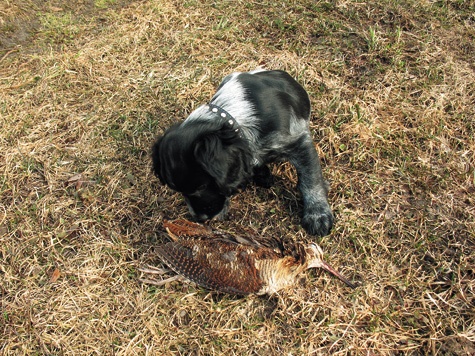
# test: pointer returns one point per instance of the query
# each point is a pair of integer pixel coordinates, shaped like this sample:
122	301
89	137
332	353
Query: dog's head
207	161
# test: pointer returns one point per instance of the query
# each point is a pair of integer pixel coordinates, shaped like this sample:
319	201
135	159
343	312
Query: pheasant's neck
278	275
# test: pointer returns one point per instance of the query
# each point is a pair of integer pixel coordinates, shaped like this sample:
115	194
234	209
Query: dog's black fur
253	119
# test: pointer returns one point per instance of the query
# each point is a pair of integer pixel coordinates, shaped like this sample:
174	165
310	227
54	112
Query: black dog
253	119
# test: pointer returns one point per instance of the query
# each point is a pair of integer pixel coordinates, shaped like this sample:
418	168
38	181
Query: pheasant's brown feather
217	264
180	259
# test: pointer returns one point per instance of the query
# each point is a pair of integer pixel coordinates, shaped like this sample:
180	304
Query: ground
86	86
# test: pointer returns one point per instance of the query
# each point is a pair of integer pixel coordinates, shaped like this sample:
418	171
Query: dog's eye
202	188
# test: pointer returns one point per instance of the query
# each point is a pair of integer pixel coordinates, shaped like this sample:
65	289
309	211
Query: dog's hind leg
317	215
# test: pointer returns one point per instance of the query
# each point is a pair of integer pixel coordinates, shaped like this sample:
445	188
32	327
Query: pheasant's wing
216	264
249	240
179	229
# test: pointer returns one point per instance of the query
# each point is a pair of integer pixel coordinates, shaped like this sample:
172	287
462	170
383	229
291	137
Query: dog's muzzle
216	210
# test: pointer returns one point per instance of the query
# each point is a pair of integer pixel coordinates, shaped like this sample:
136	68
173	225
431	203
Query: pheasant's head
314	258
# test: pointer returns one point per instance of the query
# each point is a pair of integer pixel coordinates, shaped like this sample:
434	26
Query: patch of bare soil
19	24
457	346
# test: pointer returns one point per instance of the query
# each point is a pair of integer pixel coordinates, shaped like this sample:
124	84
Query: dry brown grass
84	89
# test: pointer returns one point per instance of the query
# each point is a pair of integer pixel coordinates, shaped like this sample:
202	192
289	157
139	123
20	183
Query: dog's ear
225	156
161	153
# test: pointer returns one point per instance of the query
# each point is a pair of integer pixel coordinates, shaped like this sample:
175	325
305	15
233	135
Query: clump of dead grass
392	93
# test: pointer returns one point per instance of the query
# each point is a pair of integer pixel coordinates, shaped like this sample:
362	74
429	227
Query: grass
86	86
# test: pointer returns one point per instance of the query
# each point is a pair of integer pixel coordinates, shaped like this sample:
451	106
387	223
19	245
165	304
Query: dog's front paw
318	221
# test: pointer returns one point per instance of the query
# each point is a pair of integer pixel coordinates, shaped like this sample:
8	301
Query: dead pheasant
234	264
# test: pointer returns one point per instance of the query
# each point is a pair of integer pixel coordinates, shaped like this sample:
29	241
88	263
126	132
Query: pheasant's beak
330	269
